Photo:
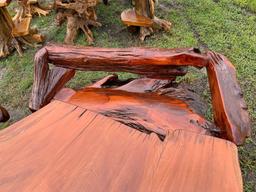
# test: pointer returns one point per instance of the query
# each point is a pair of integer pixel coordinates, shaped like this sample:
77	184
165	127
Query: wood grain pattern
151	62
47	82
229	107
141	111
66	148
230	111
129	17
161	63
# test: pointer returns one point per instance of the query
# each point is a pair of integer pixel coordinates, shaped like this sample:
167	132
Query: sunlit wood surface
63	147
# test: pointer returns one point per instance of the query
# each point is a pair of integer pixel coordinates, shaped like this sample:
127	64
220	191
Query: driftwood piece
4	115
153	63
143	16
79	15
66	148
229	107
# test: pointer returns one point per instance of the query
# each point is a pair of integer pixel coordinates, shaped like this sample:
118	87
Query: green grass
249	4
220	25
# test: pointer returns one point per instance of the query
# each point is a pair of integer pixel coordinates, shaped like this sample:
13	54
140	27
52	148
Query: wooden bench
141	134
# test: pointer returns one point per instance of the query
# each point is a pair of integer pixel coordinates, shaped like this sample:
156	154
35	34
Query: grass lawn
225	26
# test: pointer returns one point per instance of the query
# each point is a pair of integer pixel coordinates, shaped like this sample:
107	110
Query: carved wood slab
66	148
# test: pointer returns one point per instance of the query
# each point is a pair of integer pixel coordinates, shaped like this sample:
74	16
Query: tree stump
79	15
143	16
15	32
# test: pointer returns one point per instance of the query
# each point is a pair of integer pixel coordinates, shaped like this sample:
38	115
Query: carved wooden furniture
80	14
230	111
14	32
143	16
125	135
4	115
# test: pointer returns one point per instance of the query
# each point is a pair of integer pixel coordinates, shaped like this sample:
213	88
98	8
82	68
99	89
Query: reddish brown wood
158	63
229	107
66	148
47	82
141	111
144	61
152	62
4	115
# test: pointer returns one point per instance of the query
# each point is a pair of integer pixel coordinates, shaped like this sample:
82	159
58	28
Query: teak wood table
64	147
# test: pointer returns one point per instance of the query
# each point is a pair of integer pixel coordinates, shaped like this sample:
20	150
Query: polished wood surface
146	112
63	147
229	107
130	18
152	63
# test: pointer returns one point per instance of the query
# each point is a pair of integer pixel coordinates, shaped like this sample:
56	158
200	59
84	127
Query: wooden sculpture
230	112
140	134
28	8
15	32
80	14
143	16
4	115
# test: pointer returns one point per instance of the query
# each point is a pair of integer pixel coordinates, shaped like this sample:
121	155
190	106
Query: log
47	82
4	115
157	63
229	108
